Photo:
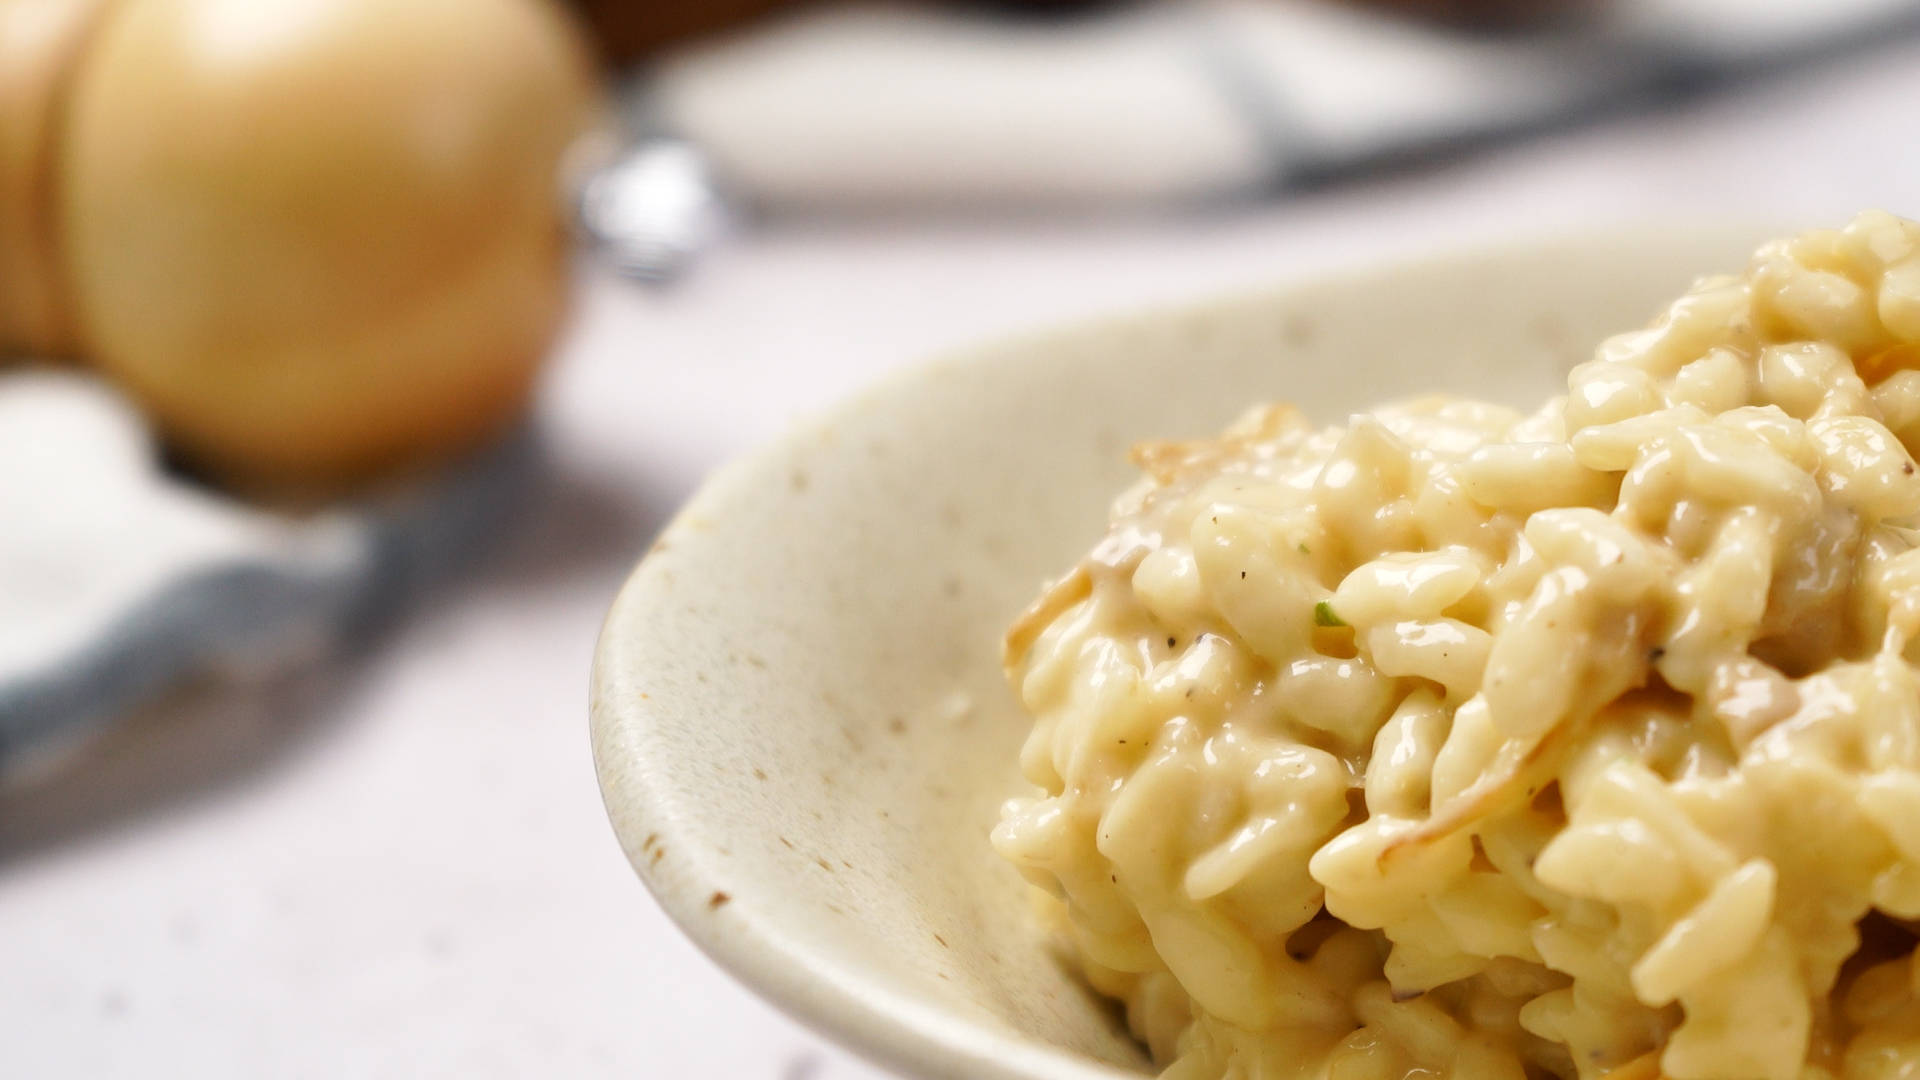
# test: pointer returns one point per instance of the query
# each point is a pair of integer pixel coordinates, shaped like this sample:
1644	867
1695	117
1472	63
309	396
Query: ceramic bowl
798	714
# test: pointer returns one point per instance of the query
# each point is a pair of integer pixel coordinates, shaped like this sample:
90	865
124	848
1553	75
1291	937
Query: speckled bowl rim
834	998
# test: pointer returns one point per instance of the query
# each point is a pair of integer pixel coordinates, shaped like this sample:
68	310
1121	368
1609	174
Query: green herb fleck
1304	549
1324	615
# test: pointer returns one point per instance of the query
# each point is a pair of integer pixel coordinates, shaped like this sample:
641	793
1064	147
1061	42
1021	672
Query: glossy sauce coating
1456	742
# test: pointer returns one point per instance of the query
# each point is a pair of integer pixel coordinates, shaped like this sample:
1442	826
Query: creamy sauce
1456	742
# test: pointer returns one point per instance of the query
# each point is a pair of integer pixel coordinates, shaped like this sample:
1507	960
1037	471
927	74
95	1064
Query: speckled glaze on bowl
798	715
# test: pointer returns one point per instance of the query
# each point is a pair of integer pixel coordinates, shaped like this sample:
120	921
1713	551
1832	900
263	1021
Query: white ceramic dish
798	715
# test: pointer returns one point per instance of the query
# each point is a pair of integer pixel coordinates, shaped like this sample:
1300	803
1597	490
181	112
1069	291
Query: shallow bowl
799	720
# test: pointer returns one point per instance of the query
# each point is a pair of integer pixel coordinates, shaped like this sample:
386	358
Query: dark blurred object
1486	13
317	240
629	30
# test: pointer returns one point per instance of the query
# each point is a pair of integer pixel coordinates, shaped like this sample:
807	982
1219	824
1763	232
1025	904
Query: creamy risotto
1457	742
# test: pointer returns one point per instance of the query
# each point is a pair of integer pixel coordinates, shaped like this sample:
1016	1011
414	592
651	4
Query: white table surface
398	866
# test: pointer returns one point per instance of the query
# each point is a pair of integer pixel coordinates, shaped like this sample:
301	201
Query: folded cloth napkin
118	578
876	107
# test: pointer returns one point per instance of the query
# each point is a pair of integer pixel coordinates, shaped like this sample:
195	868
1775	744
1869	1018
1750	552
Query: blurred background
351	351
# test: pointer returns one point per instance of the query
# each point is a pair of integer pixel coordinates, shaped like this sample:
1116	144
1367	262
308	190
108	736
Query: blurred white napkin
873	107
119	578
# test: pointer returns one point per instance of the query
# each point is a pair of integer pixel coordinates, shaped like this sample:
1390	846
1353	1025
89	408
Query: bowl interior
799	719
